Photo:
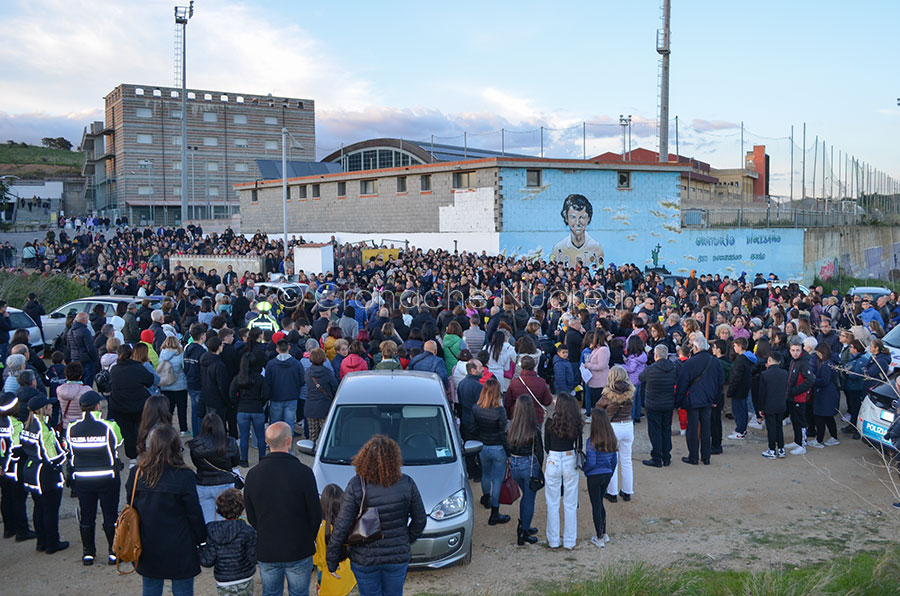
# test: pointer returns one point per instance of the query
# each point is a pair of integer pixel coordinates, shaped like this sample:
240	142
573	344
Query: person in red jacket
529	386
355	360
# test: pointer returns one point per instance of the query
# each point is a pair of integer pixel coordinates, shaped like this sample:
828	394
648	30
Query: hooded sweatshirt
284	375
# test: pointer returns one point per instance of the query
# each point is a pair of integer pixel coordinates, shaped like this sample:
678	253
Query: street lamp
625	123
285	133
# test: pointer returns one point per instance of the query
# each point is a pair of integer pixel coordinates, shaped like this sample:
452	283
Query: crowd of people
551	368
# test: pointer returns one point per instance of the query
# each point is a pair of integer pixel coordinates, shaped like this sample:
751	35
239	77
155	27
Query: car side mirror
57	315
472	447
307	447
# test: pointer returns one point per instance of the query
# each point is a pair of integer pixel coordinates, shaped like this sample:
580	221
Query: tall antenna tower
663	37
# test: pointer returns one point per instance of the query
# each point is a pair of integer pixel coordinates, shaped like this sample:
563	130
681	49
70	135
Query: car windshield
20	320
893	337
421	432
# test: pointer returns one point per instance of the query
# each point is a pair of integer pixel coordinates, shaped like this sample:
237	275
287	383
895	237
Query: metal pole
465	145
676	140
831	172
629	137
206	183
502	142
284	192
743	161
803	159
193	197
584	140
664	50
184	204
815	162
823	175
542	141
792	163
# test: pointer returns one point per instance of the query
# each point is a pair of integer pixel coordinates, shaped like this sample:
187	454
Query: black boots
486	501
525	535
110	532
497	517
88	549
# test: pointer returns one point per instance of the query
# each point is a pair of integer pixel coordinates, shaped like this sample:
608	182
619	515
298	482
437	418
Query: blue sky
414	69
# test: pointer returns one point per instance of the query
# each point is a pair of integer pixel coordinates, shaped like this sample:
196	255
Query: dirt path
741	512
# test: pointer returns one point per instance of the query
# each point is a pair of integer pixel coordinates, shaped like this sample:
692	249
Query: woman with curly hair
617	400
562	438
379	566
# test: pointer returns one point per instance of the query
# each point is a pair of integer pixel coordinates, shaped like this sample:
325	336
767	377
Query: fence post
740	216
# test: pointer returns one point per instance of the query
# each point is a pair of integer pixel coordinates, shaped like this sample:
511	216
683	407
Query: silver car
54	323
411	408
21	320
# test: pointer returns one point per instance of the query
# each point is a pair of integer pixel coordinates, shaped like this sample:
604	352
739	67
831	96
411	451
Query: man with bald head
429	361
282	502
80	341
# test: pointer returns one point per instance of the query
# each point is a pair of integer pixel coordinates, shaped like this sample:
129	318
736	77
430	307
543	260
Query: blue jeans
90	369
739	410
198	411
379	580
244	420
207	496
638	402
153	586
296	572
522	468
283	411
493	468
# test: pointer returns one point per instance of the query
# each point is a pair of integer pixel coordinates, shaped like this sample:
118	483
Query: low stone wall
219	263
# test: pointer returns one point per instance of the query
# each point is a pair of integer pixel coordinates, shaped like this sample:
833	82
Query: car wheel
467	559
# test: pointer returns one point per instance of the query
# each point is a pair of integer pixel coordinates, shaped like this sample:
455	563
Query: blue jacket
191	359
428	362
828	396
285	377
598	462
563	375
699	382
467	393
877	368
857	364
871	314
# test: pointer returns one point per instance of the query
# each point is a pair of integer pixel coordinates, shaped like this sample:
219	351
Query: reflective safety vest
264	321
42	457
92	445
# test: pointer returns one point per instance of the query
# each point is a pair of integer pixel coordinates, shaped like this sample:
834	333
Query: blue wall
628	225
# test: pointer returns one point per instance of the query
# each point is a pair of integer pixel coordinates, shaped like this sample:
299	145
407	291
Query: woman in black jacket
379	566
172	524
250	392
214	454
489	420
526	460
129	383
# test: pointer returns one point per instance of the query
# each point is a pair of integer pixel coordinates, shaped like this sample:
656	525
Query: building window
210	141
240	167
271	145
271	120
145	189
210	117
176	190
145	139
425	183
368	187
464	180
532	178
401	183
254	195
143	113
213	191
315	191
302	193
342	189
240	118
175	114
241	143
138	91
176	141
176	165
623	180
212	166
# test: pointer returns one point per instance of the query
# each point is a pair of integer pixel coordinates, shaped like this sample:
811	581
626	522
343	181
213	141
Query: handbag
127	539
238	479
166	373
580	455
511	371
367	525
535	483
509	490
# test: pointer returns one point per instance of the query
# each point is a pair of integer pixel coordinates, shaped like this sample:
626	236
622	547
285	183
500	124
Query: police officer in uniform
12	493
264	319
95	469
40	471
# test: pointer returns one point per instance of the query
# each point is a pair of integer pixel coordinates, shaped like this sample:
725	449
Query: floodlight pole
285	133
182	16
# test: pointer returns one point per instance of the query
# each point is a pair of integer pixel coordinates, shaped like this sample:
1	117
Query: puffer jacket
80	342
69	407
353	363
177	361
321	387
452	347
617	401
659	385
635	365
402	516
206	461
129	383
857	365
230	549
489	425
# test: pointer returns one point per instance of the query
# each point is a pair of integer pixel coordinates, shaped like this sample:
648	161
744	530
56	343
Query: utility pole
792	162
815	162
182	15
663	49
743	161
676	140
803	159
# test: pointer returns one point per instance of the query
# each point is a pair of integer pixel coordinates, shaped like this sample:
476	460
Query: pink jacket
68	395
353	363
598	364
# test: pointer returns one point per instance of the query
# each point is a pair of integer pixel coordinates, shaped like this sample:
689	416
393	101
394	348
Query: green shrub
52	291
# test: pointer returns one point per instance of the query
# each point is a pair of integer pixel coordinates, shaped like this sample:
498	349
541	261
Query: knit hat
277	336
147	336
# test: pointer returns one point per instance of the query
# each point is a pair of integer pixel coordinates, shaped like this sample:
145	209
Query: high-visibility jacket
92	445
42	457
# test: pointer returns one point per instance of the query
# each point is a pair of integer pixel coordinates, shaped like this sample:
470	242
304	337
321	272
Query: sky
415	69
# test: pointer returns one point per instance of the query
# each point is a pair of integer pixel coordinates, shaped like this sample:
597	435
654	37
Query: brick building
133	158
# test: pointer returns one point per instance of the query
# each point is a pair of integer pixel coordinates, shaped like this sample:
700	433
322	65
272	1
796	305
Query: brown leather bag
367	525
127	541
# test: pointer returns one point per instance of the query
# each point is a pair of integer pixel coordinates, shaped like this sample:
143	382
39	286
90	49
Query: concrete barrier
219	263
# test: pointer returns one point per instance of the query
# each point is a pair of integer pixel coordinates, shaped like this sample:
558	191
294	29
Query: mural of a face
577	212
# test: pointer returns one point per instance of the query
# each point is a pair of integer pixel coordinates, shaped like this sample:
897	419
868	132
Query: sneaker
755	424
785	422
598	542
605	538
587	420
781	453
736	436
768	454
896	505
815	443
832	442
682	432
799	450
845	417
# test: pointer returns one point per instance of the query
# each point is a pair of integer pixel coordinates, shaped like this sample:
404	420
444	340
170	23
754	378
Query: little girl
328	584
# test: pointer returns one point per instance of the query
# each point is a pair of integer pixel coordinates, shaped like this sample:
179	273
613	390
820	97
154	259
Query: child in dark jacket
563	375
772	389
230	547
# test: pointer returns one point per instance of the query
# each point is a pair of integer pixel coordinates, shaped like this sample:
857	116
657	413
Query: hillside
32	161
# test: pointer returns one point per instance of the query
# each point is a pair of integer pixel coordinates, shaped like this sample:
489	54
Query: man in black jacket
800	380
282	502
80	342
215	382
699	385
658	381
192	354
771	404
739	381
34	309
467	394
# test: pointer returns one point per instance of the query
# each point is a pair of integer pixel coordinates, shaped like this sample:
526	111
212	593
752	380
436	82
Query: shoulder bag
238	479
166	373
127	540
509	490
580	455
535	481
367	525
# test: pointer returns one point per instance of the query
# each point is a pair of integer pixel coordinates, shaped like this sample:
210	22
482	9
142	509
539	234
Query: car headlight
452	506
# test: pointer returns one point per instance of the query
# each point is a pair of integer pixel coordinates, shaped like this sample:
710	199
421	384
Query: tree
62	143
48	142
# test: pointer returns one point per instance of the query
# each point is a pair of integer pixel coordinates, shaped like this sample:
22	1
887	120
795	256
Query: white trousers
560	473
625	435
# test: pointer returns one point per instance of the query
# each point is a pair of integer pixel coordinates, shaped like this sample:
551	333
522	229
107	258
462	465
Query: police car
892	343
876	415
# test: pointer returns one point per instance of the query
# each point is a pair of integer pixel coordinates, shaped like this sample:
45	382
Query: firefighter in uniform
40	470
264	318
12	493
95	469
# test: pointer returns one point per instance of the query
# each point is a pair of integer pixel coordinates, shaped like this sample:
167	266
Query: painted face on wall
577	220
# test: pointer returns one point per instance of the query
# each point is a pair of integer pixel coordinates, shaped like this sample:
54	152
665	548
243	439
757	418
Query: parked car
782	284
892	343
873	291
412	409
54	323
876	415
21	320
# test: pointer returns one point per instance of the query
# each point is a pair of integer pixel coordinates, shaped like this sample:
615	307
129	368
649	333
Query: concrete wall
469	241
858	251
219	263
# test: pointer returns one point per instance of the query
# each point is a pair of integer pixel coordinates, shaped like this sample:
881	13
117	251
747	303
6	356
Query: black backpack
103	381
545	365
